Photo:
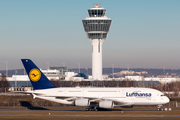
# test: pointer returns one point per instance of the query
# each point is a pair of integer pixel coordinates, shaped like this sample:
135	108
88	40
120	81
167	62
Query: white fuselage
120	96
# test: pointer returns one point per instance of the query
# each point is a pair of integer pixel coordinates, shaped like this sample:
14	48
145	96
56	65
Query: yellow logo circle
35	75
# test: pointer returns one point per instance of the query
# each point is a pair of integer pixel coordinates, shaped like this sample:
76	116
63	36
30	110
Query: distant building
54	73
61	70
161	80
126	72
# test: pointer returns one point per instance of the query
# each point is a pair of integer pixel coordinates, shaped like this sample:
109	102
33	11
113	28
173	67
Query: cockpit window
162	95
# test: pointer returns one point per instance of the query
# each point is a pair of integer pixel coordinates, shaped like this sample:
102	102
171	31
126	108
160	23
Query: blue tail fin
37	78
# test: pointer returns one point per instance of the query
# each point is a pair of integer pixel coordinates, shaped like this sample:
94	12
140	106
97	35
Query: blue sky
143	33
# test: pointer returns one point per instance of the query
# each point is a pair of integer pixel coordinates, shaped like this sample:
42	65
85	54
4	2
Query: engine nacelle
106	104
82	102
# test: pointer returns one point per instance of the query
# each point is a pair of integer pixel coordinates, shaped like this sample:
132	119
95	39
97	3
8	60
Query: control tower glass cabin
97	27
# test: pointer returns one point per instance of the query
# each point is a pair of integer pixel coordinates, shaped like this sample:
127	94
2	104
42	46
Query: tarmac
76	113
98	115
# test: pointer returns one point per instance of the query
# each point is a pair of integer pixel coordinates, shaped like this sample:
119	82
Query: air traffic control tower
96	27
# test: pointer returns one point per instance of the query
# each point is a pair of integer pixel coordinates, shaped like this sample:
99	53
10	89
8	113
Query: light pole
128	69
63	63
87	72
16	78
6	68
47	65
113	70
79	66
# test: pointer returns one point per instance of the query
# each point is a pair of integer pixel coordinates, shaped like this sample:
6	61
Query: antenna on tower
96	4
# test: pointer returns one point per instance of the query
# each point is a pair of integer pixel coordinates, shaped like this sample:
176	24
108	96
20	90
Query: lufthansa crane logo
35	75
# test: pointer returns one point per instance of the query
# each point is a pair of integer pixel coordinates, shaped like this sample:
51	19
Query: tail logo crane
35	75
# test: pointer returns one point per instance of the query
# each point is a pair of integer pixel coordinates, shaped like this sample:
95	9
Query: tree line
4	84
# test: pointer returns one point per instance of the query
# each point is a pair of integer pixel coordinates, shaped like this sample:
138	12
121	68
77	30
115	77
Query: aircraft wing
97	100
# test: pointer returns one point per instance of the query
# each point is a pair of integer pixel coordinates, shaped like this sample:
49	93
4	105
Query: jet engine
81	102
106	104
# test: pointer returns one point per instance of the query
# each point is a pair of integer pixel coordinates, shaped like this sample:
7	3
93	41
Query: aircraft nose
166	100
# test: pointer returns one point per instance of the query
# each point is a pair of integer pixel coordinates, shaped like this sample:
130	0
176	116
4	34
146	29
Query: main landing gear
96	109
92	109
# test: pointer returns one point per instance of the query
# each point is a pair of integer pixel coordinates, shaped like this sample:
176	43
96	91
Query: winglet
37	78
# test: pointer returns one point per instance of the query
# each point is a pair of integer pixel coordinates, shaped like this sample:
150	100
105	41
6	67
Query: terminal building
53	74
61	74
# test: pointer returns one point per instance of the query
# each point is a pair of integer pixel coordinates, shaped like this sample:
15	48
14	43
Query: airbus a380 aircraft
92	97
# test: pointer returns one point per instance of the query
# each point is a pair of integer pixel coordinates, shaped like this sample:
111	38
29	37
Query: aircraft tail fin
37	78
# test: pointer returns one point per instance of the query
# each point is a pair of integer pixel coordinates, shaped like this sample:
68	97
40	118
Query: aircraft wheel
94	109
88	109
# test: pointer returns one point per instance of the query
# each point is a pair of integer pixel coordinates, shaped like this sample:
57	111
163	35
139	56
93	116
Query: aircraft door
122	94
84	93
154	97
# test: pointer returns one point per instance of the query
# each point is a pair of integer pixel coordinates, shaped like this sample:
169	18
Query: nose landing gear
159	107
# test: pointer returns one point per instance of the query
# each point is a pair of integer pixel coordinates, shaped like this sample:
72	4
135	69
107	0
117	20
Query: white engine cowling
81	102
106	104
